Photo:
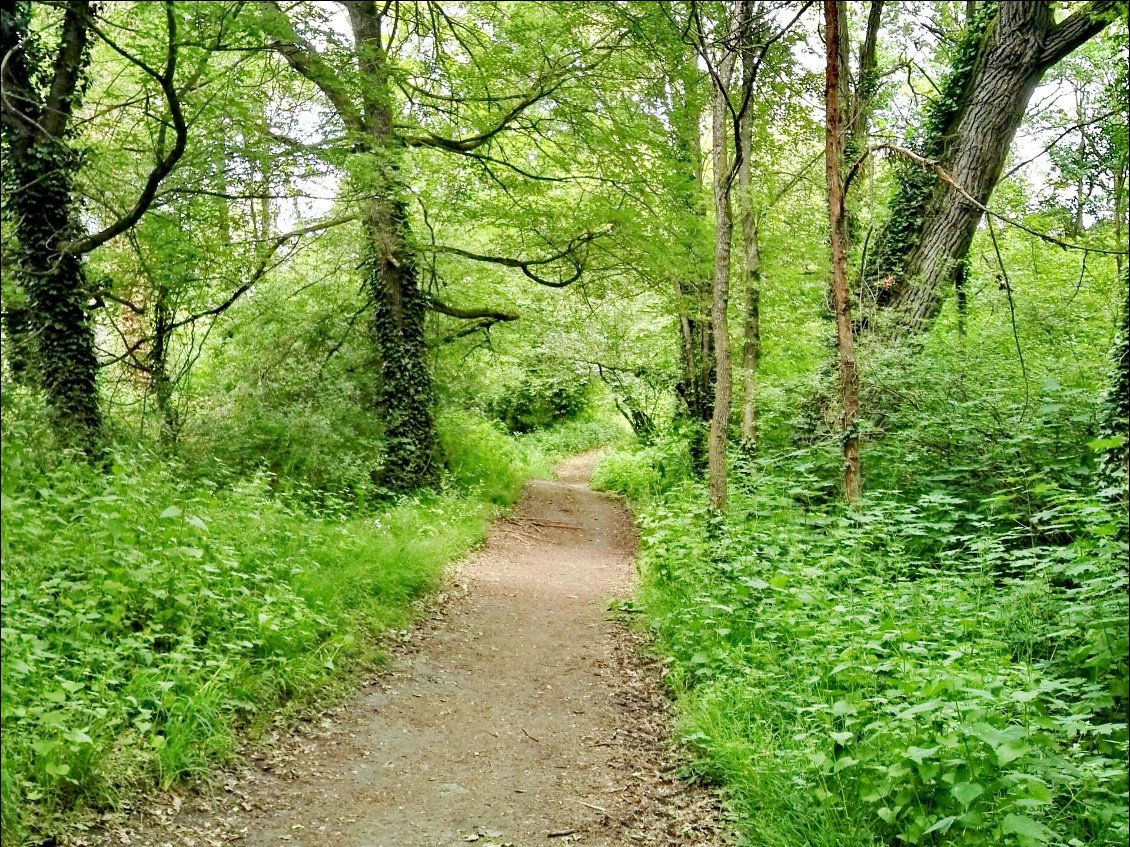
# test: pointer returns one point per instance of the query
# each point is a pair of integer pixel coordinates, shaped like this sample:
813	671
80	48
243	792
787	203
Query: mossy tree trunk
404	388
968	129
55	339
720	294
399	306
1115	462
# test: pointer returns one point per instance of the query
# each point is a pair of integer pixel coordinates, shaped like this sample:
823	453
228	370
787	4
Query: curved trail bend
521	716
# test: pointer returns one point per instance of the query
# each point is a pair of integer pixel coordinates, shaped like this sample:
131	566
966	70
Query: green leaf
1110	443
918	754
1010	751
966	792
172	512
1026	828
942	825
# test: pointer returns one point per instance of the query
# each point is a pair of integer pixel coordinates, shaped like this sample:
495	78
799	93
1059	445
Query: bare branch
567	254
263	266
165	163
469	314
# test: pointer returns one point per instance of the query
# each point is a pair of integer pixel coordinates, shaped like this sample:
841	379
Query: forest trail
521	715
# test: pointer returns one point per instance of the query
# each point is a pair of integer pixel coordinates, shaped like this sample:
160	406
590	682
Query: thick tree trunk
968	131
41	167
405	390
835	14
720	296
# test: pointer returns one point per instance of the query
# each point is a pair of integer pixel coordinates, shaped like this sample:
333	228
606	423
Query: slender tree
836	127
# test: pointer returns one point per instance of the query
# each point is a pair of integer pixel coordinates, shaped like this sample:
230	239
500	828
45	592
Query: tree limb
263	266
566	254
950	181
309	64
442	308
1076	29
165	163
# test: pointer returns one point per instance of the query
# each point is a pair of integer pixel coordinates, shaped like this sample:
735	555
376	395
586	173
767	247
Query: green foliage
540	400
880	674
952	654
148	620
643	472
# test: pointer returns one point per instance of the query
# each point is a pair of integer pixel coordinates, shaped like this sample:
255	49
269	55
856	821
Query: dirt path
523	716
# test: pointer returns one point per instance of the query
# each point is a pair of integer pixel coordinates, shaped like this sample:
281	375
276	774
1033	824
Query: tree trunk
1120	213
752	265
42	165
720	296
399	306
695	386
160	382
1115	463
968	130
835	14
751	343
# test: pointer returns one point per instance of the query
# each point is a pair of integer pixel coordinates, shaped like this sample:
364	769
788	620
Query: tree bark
44	216
751	341
695	386
404	387
1120	212
751	266
970	126
835	14
720	294
399	306
1114	465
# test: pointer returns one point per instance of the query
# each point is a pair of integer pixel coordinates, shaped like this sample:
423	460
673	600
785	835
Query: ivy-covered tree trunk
968	129
399	306
1115	462
720	293
404	387
43	216
751	258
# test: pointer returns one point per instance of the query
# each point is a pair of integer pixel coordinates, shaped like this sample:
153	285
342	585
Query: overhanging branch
567	254
948	179
165	163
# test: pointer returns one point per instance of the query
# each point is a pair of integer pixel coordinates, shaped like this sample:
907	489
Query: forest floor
520	712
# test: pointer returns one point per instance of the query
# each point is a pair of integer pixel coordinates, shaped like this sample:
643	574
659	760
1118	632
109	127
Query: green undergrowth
154	616
935	666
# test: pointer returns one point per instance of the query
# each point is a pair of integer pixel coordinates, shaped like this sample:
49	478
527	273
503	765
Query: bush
641	473
539	401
